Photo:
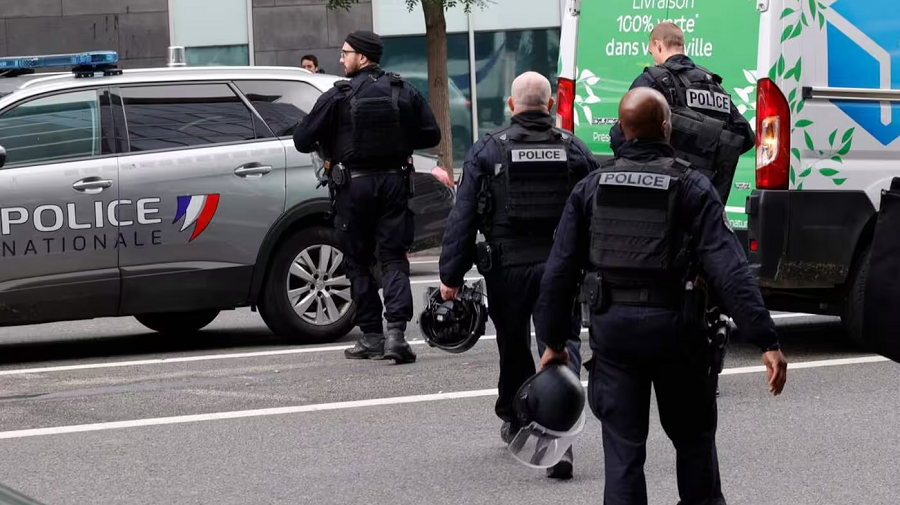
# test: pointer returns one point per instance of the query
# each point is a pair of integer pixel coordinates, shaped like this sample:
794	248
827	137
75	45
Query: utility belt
598	294
511	253
339	175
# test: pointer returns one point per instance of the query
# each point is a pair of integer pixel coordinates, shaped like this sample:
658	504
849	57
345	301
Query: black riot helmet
549	407
454	325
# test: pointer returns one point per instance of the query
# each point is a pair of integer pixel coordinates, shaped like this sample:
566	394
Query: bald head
530	91
645	114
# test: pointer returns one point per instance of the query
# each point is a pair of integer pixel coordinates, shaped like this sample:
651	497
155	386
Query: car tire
301	301
852	316
175	323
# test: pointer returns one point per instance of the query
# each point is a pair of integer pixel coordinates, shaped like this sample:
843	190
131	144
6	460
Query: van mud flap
881	318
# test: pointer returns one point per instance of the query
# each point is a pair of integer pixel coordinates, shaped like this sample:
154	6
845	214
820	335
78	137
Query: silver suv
171	194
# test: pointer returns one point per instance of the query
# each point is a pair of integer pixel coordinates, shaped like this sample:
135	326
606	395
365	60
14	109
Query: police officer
367	128
637	225
701	108
514	185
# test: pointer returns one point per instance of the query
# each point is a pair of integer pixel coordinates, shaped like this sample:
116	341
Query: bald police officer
514	186
638	226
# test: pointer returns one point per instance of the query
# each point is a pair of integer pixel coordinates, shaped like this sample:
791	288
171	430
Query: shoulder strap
659	73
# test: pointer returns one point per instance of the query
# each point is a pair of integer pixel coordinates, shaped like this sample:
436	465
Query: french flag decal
199	209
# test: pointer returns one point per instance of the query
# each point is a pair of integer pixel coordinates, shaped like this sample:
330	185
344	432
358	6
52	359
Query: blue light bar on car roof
60	60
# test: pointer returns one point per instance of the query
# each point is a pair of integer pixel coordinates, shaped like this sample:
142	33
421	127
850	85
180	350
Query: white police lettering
529	155
53	218
701	99
636	179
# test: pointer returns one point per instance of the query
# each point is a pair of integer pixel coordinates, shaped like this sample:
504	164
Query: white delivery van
828	143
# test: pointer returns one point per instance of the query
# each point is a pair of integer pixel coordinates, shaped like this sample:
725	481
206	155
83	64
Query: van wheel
171	323
307	293
852	317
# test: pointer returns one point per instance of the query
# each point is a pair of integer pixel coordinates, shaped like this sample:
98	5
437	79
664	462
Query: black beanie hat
366	43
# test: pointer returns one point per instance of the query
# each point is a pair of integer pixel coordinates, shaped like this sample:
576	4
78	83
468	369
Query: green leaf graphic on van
846	149
781	65
796	153
812	7
803	123
838	181
773	74
828	172
848	135
792	176
806	173
809	142
787	12
786	33
800	106
832	137
797	30
837	159
803	19
821	22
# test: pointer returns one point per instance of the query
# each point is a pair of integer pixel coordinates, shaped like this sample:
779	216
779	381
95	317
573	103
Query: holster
718	334
339	175
484	257
594	295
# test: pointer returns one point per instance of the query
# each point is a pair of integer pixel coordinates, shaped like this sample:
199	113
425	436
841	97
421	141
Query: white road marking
438	280
424	262
240	355
205	357
375	402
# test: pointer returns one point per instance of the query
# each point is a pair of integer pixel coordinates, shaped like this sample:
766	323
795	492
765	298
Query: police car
828	137
171	194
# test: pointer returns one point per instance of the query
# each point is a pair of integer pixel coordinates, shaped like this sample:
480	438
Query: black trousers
634	348
372	211
512	295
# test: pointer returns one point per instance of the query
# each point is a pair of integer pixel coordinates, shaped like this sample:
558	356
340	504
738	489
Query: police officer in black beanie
366	129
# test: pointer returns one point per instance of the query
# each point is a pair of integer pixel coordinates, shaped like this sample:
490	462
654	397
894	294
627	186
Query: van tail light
773	137
565	104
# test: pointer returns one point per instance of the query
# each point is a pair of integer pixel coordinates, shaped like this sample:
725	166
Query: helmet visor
538	447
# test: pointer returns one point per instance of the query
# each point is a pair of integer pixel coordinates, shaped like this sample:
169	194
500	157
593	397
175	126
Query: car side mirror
2	156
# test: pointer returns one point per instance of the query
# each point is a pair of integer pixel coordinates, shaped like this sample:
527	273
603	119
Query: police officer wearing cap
514	185
701	109
636	226
367	129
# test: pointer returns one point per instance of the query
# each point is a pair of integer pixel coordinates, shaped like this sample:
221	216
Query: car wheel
852	317
178	322
307	293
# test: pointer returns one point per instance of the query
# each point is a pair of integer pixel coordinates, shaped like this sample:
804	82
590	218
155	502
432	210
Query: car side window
184	115
282	104
52	129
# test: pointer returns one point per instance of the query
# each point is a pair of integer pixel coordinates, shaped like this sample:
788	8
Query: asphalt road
105	412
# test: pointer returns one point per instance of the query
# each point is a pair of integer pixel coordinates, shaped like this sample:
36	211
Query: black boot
563	469
396	347
369	346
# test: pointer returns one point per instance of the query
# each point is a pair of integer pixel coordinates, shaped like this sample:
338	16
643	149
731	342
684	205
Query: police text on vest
702	99
636	179
531	155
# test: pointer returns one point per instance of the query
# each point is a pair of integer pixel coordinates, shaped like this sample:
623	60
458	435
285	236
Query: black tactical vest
370	130
701	118
636	238
528	192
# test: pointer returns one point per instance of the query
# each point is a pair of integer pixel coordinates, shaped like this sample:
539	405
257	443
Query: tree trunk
438	78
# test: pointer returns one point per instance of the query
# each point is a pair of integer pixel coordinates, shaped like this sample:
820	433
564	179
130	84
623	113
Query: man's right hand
776	371
448	293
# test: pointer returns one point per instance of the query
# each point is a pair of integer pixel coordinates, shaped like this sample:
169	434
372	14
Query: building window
407	57
213	32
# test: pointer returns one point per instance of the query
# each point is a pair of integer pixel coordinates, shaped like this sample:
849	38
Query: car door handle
251	169
92	185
